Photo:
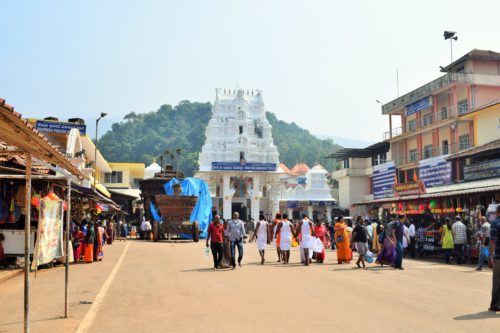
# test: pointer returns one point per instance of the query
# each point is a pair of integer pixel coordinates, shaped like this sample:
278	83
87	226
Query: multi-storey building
431	122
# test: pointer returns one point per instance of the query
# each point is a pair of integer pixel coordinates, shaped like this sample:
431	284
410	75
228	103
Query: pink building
430	115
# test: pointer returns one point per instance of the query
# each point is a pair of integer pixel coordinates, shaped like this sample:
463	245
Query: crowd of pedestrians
89	237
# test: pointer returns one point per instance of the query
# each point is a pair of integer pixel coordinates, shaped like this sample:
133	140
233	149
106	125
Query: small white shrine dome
151	170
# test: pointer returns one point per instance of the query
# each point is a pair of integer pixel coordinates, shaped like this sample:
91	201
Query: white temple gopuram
241	164
239	160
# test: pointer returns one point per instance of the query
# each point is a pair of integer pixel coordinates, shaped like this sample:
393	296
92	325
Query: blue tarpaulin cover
154	212
202	212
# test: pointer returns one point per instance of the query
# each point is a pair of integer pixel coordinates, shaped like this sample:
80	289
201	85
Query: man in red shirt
216	233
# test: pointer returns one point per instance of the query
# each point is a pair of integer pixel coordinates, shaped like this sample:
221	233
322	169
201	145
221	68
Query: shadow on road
35	320
478	316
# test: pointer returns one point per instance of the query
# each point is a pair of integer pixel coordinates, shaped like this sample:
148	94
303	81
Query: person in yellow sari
342	241
376	247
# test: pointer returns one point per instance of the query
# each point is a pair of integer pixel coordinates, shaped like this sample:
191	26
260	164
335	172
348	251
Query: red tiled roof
474	54
285	168
300	169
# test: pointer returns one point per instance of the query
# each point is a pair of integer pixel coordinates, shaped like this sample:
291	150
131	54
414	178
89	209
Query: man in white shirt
412	232
369	228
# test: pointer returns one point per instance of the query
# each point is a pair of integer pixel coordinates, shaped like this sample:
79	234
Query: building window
346	163
445	147
427	151
463	106
412	125
241	129
115	177
427	119
463	142
444	113
413	155
242	156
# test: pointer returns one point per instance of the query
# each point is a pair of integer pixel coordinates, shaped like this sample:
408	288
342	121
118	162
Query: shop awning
17	132
457	189
130	193
103	190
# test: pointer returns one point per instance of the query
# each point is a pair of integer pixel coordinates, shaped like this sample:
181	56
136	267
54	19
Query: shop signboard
418	106
383	180
235	166
292	204
49	242
435	171
486	169
405	189
59	127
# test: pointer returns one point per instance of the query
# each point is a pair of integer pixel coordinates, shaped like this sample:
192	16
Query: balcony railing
425	154
428	120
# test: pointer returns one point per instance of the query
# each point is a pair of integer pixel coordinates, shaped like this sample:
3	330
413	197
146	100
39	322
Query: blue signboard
417	106
292	204
383	180
57	127
435	171
486	169
235	166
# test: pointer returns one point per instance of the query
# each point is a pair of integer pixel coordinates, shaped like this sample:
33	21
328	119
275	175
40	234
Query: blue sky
321	64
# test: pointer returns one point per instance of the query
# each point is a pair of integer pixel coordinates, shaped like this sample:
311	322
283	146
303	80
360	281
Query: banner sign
235	166
383	180
321	203
486	169
413	188
435	171
57	127
49	243
419	105
292	204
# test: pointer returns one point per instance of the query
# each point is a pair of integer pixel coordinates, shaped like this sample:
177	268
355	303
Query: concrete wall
486	67
359	163
485	95
488	125
352	190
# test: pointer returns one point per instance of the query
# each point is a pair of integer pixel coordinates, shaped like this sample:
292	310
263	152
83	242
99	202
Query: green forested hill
143	137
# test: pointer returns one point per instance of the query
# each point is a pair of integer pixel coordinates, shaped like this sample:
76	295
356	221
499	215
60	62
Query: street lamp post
103	114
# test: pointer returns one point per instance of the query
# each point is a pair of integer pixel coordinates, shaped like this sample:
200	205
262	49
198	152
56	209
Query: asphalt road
171	287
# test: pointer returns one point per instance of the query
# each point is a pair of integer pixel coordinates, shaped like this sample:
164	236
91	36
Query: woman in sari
89	243
342	241
377	230
226	256
99	241
78	238
321	233
387	255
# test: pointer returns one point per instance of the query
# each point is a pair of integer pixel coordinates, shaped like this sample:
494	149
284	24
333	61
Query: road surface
171	287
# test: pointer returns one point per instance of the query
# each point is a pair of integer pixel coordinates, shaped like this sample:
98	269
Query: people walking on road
483	240
236	232
331	234
412	233
89	243
387	254
494	262
262	234
369	229
377	231
226	257
78	241
305	233
321	232
360	239
285	231
459	238
344	254
276	236
447	240
397	235
215	235
420	238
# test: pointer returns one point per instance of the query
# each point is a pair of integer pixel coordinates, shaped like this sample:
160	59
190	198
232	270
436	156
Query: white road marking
87	321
